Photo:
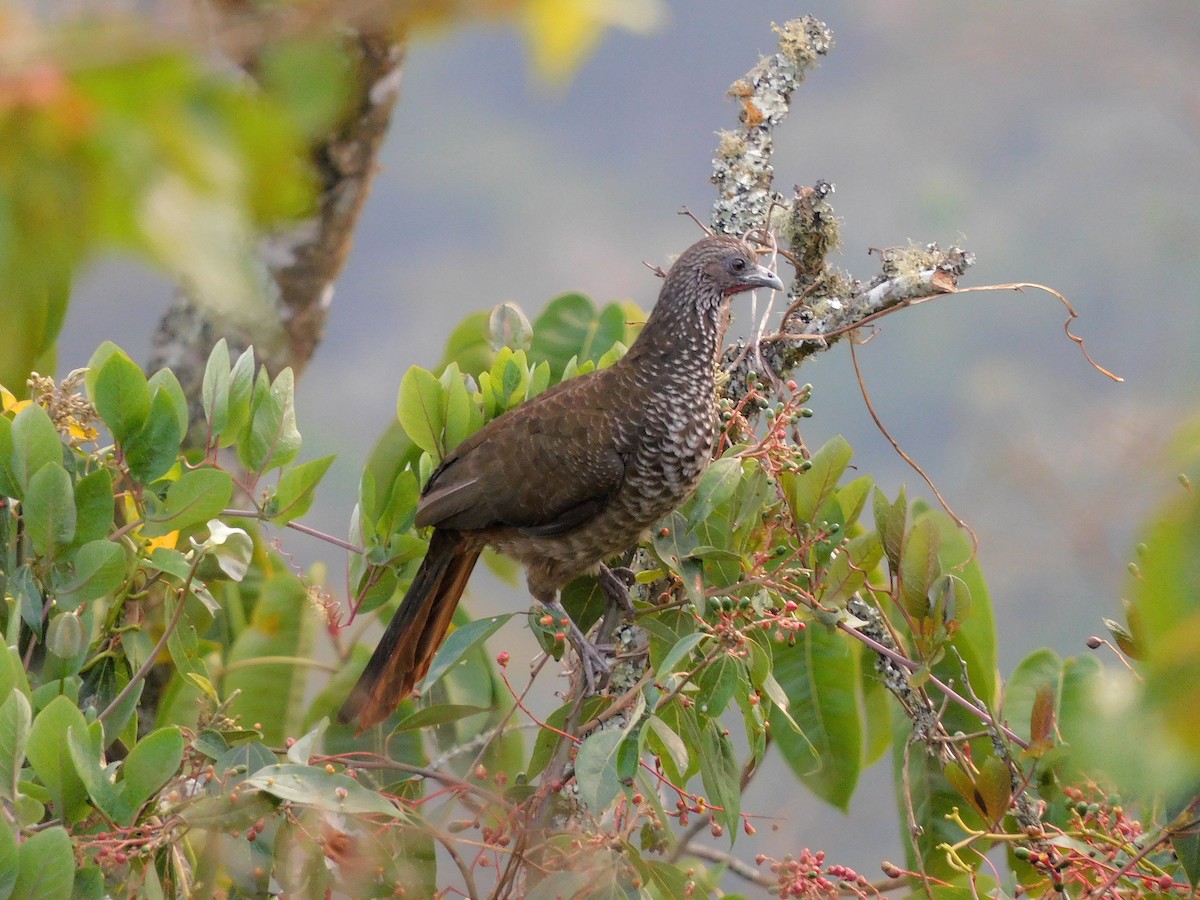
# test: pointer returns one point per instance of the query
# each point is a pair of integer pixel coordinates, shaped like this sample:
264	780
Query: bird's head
726	264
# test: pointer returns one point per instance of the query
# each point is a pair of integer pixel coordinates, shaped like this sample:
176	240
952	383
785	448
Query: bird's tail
407	647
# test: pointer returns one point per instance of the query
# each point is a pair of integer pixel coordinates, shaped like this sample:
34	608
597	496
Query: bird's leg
615	584
596	667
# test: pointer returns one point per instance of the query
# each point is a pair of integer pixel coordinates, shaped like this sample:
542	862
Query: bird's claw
615	584
594	665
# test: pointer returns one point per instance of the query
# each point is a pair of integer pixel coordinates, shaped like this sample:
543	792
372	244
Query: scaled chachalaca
572	476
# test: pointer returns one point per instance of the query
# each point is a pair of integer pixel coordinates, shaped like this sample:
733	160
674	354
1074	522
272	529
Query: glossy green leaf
9	862
596	769
84	747
152	451
152	762
718	681
919	566
8	483
297	489
315	787
820	675
122	396
97	570
271	438
439	714
458	407
461	642
16	718
93	506
49	755
47	866
891	521
721	775
195	497
807	492
214	389
164	380
241	390
35	443
548	738
420	409
717	485
49	509
284	626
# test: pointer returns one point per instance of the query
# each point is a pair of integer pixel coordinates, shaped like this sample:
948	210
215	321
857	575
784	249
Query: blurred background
1058	141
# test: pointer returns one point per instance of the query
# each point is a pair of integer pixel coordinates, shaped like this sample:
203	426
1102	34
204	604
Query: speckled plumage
574	475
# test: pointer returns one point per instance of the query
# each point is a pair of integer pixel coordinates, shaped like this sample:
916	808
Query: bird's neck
685	327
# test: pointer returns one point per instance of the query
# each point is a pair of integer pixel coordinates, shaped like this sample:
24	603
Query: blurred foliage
119	141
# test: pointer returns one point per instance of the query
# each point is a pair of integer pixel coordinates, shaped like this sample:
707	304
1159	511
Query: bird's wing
546	467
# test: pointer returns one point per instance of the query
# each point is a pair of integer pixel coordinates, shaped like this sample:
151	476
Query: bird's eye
737	264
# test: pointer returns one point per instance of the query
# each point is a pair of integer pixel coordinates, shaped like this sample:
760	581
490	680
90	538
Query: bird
573	476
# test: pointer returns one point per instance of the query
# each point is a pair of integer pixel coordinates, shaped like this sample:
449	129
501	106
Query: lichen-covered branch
825	303
300	264
742	168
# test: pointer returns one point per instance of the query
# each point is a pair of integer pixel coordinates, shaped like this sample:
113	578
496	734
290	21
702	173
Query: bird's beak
760	276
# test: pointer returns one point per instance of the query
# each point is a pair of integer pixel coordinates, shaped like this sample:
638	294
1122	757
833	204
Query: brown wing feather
556	455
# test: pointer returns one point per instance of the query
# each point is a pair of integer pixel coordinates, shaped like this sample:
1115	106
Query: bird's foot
594	663
615	584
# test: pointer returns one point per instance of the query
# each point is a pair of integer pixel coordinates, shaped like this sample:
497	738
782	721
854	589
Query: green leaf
164	380
919	566
49	755
47	866
717	485
680	651
807	492
214	390
98	569
152	762
122	396
15	721
468	344
663	741
721	776
284	624
35	443
461	642
440	714
548	738
195	497
241	389
315	787
820	676
718	681
420	409
891	521
9	864
8	484
596	769
297	488
152	451
458	409
849	568
93	506
49	509
271	438
86	755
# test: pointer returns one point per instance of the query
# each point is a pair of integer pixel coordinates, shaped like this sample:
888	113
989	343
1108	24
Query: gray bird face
732	267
